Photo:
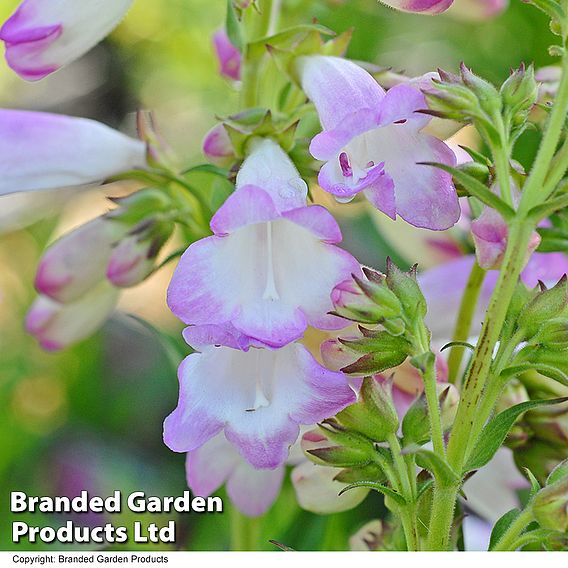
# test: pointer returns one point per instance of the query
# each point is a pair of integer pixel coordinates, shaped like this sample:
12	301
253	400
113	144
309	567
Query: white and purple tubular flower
248	292
272	262
42	36
257	397
372	143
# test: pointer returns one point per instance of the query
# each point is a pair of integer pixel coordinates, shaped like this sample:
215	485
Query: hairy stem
508	540
534	192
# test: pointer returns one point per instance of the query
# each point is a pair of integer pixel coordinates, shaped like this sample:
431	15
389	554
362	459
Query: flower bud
134	257
371	536
550	505
77	262
448	398
374	414
429	7
406	289
228	56
519	92
490	233
550	424
547	305
56	326
416	424
140	205
553	333
514	393
365	301
333	445
318	491
217	147
380	349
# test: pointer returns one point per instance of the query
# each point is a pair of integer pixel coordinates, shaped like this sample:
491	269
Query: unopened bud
374	414
57	326
550	505
217	147
547	305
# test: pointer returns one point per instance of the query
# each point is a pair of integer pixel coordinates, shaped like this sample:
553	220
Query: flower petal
78	261
425	196
48	151
401	104
270	168
57	326
44	35
420	6
258	397
338	88
285	278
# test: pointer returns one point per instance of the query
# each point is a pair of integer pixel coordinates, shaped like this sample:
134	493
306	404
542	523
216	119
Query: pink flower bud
56	326
134	258
228	55
490	233
78	261
217	146
420	6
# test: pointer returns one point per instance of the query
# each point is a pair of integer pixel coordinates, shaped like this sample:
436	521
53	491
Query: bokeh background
91	417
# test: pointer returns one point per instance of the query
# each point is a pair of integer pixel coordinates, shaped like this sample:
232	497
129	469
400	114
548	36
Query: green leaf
495	431
432	462
387	491
535	485
233	27
501	526
423	487
558	473
546	370
459	344
477	189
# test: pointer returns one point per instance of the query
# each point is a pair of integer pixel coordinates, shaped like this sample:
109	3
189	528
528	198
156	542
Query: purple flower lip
345	190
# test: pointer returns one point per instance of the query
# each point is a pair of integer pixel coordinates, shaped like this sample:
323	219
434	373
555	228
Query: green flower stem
441	518
534	191
509	540
429	379
465	319
476	377
501	157
478	372
407	512
245	532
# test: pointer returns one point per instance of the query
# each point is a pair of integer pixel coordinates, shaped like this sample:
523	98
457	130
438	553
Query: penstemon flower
56	325
372	143
271	265
40	151
258	397
44	35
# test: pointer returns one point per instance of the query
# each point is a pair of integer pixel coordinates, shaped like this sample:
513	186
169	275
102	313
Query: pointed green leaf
495	431
387	491
432	462
501	526
477	189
